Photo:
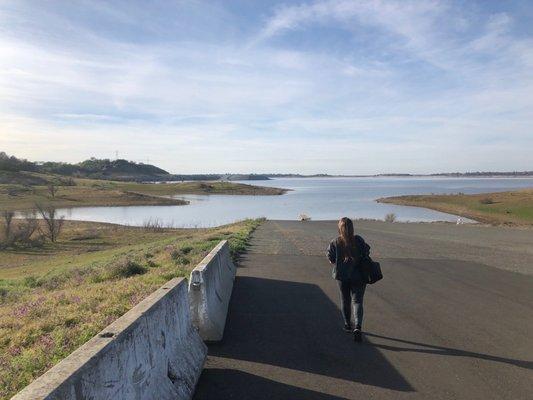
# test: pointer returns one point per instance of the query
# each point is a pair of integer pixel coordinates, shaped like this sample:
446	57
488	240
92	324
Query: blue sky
329	86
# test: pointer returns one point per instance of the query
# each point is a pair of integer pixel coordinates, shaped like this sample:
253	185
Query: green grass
52	300
513	207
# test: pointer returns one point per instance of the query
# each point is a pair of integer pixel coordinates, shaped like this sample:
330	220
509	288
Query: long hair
346	238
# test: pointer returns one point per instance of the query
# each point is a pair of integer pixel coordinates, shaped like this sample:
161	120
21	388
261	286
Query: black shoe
357	336
347	328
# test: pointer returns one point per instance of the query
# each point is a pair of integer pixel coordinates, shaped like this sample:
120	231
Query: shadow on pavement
233	384
295	326
446	351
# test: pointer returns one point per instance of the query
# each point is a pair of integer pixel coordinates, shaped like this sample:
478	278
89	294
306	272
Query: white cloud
436	85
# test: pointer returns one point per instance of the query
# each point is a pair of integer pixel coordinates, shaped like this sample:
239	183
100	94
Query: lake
319	198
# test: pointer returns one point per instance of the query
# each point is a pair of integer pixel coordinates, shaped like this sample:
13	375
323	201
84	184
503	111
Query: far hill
94	168
105	169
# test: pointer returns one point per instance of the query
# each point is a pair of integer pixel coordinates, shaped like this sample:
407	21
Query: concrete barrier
210	289
151	352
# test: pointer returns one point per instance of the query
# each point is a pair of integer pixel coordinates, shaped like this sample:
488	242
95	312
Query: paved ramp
442	327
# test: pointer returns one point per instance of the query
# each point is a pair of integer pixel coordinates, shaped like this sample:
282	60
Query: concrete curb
210	290
151	352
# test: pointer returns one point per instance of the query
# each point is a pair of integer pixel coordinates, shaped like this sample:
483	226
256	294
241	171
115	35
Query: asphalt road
449	320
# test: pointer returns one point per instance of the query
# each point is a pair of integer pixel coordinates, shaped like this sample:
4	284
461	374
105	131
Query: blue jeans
352	292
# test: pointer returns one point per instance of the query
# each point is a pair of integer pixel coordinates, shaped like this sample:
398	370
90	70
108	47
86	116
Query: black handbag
371	270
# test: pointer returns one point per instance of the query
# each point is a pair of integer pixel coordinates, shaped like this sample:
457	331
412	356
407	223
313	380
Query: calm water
320	198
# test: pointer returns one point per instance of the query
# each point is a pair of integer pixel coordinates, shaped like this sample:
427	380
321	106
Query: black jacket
347	270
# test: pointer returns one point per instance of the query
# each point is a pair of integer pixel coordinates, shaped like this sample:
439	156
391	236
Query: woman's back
346	257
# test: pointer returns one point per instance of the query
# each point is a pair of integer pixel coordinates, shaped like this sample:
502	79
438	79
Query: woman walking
345	253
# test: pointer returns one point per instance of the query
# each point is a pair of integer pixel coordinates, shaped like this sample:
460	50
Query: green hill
93	168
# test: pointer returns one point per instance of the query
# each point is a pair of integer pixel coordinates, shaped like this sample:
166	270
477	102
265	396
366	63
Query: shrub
178	255
304	217
31	281
67	182
21	233
88	234
124	269
174	254
24	234
390	217
186	249
486	200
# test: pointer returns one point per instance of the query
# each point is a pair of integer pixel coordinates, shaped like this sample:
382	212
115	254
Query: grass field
53	299
21	193
514	208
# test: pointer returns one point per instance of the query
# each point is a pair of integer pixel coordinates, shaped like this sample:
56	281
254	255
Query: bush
486	200
304	217
67	182
178	255
88	234
31	282
174	254
186	249
21	233
390	217
125	269
183	260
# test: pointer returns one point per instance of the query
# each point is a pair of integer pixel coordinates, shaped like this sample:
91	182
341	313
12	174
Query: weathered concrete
151	352
210	289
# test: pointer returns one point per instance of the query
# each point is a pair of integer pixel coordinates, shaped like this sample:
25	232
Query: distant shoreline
527	174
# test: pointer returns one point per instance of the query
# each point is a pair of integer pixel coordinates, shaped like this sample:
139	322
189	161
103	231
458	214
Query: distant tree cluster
14	164
100	168
92	168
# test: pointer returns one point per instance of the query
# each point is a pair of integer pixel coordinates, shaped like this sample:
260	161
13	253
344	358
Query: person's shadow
294	326
445	351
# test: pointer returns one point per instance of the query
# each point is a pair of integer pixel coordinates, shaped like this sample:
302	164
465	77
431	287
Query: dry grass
54	299
514	208
90	192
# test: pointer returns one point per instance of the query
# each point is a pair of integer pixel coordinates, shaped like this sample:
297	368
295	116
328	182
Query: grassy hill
54	299
92	168
105	169
118	170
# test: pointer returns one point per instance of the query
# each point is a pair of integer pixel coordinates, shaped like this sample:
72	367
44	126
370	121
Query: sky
326	86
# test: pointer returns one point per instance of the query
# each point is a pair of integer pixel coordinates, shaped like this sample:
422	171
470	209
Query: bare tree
52	190
25	229
52	223
8	220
